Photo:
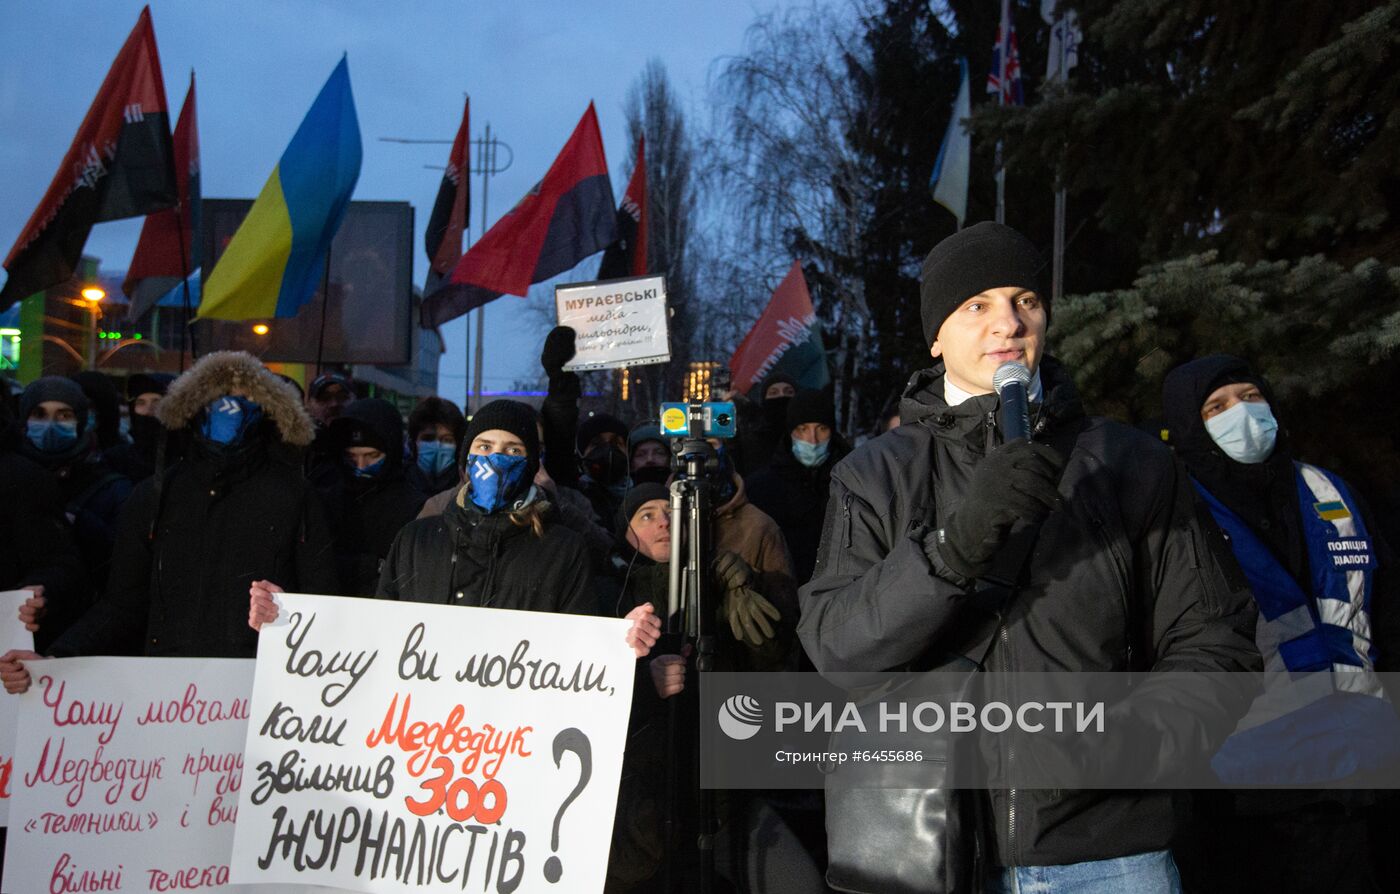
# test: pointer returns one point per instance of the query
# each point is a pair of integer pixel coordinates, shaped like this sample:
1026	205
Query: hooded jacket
1123	576
366	514
192	539
794	496
93	493
466	557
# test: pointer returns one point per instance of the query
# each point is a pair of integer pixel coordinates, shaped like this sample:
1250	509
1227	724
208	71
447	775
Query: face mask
810	455
605	464
227	419
775	411
368	471
651	475
1246	432
50	436
145	430
435	457
496	479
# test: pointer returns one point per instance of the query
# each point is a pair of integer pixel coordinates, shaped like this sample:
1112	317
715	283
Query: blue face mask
496	479
809	454
228	419
50	436
435	457
370	470
1246	432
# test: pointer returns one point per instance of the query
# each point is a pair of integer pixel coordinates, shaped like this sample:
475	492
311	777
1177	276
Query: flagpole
185	333
488	152
1003	30
325	304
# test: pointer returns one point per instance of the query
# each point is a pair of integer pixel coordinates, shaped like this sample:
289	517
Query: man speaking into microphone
1087	533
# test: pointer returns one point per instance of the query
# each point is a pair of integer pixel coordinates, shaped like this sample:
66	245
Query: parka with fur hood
191	540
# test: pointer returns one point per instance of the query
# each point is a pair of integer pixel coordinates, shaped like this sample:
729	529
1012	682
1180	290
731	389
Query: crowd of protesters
167	527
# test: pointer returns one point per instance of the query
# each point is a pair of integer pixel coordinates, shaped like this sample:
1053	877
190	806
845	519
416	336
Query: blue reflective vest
1323	714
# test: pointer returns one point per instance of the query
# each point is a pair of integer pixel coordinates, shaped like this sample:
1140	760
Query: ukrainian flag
277	258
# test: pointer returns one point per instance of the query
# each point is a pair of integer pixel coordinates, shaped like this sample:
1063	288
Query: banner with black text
411	747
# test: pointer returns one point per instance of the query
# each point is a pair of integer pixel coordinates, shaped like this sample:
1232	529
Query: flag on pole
1065	38
167	251
566	217
121	164
951	170
628	255
443	239
1004	78
787	338
277	257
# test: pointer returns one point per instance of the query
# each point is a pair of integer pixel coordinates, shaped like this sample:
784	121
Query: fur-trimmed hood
224	372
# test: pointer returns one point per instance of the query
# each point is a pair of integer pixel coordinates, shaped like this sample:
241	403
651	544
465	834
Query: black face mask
651	475
605	464
145	431
775	412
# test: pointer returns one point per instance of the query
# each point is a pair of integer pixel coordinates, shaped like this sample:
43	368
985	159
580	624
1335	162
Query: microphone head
1009	372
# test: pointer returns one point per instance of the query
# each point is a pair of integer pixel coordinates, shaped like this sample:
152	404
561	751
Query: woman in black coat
497	545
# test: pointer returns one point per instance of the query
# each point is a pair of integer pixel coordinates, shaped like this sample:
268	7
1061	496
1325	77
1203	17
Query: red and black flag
628	255
566	217
449	218
167	251
121	164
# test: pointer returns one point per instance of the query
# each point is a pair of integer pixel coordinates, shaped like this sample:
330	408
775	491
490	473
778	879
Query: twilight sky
531	68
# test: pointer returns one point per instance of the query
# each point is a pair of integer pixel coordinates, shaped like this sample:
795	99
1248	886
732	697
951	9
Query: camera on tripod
711	419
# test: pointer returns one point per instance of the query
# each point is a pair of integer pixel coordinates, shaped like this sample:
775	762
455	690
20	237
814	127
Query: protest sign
12	636
619	322
412	747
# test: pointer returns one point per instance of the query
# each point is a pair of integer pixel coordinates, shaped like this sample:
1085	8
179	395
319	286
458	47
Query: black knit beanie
811	406
640	495
971	261
510	416
55	388
595	424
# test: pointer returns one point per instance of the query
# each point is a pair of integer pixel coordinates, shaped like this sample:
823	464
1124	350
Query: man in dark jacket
1327	592
1120	577
38	553
60	436
137	458
515	556
793	487
435	431
231	511
371	499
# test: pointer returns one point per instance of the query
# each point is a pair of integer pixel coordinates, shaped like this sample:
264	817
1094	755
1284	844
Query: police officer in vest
1326	590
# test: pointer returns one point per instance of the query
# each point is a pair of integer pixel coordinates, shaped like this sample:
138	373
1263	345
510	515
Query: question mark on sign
571	739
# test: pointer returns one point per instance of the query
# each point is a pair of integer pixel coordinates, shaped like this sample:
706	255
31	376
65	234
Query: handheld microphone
1012	383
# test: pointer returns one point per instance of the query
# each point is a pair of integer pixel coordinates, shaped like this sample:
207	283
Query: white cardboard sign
126	775
619	322
408	747
12	636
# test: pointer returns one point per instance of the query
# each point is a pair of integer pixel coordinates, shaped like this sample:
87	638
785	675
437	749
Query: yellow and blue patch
1334	510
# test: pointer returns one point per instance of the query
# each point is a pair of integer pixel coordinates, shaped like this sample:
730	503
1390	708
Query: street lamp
260	329
93	295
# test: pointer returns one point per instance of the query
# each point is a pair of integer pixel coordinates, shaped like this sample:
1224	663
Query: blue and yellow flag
277	257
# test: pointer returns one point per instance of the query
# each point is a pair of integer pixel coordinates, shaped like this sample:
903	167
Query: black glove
1016	481
559	349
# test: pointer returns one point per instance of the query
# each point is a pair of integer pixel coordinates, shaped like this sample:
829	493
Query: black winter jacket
219	524
36	545
795	496
366	514
464	557
191	540
1122	576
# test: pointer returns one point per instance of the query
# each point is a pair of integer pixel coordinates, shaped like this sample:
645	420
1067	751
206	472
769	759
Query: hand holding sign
262	608
33	609
645	629
13	672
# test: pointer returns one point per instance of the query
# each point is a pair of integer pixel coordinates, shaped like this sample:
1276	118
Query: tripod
689	618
